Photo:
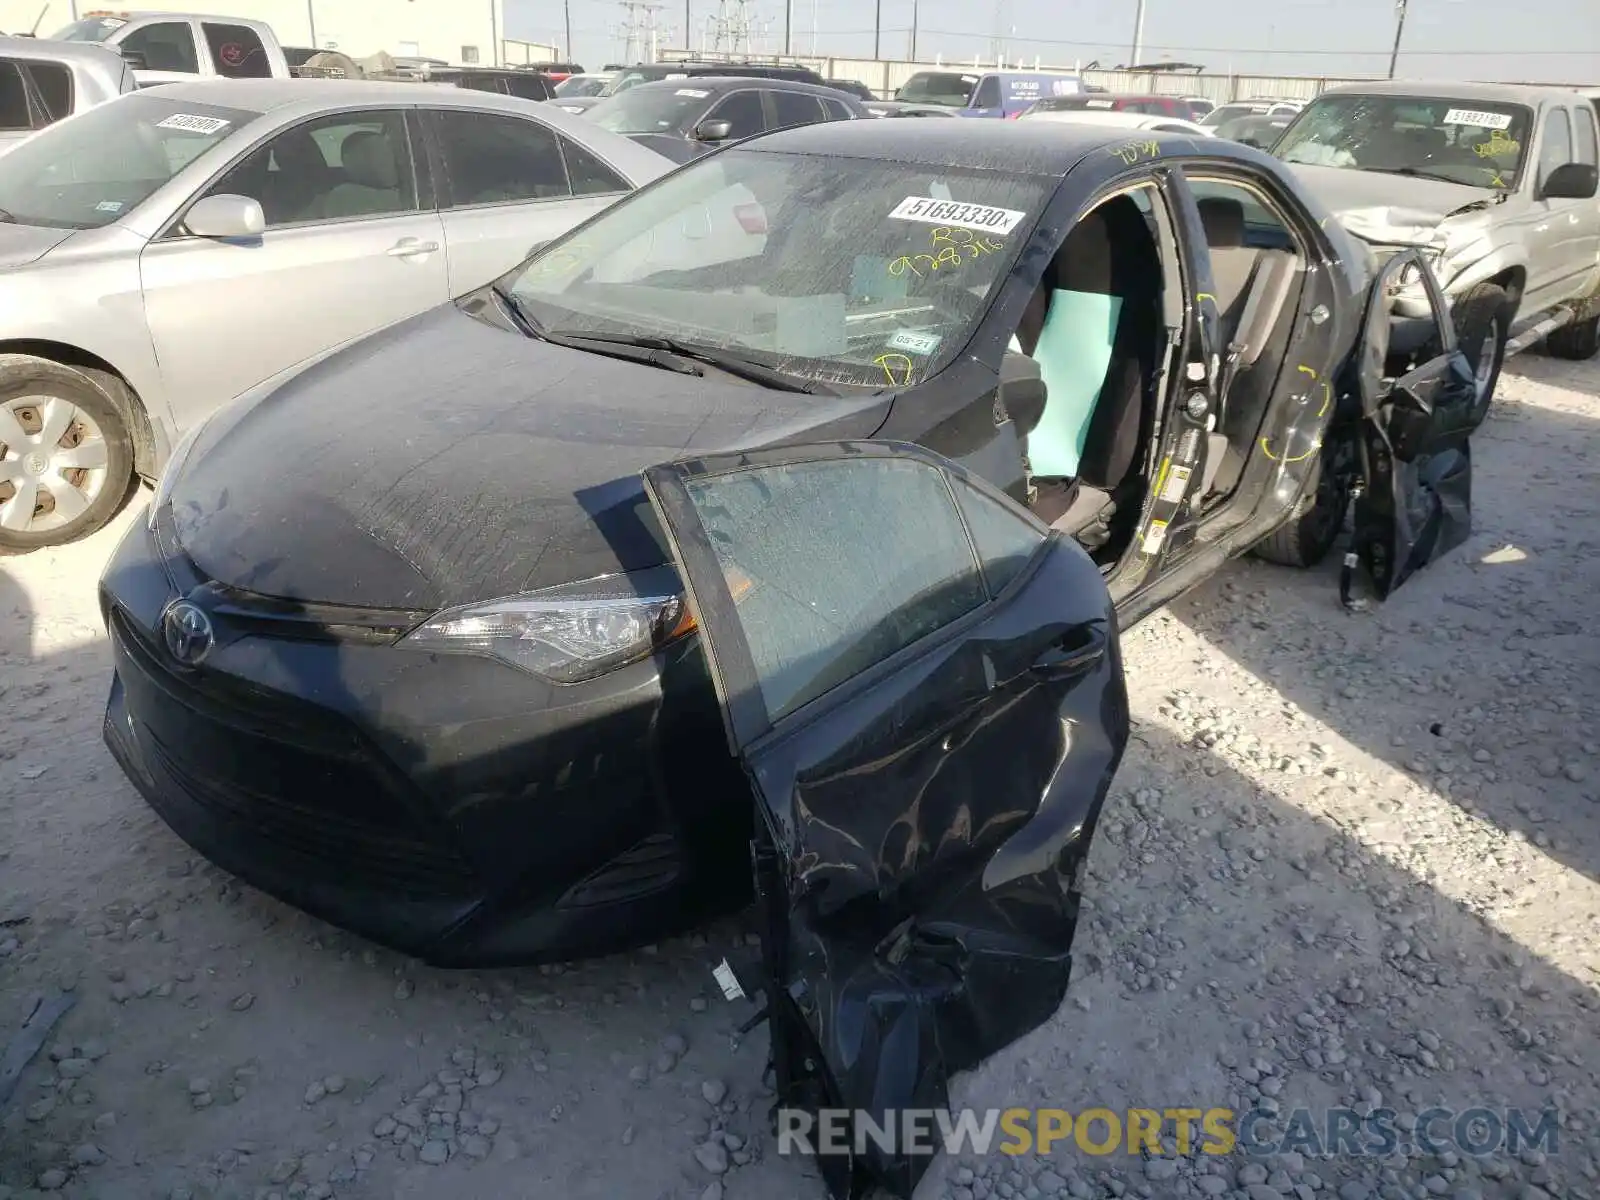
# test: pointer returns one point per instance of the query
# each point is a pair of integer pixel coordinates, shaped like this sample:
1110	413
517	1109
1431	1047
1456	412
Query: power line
1242	50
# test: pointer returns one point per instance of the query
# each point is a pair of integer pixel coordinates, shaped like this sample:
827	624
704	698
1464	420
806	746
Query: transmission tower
734	28
639	32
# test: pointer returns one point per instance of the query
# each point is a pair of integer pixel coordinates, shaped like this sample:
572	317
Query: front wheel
66	458
1578	341
1310	532
1482	317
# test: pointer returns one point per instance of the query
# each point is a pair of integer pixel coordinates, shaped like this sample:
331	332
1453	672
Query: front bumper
451	808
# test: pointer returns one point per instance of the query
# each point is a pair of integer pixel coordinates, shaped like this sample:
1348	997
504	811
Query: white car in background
1148	122
169	249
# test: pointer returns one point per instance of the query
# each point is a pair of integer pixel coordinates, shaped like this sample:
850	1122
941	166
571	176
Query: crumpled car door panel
1416	503
925	687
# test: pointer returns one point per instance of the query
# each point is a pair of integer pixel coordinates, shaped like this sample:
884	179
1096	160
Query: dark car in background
684	118
527	85
557	71
631	77
1148	105
855	87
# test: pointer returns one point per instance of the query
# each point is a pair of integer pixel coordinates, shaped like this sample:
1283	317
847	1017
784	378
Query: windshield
623	80
94	168
96	29
656	109
1468	142
841	270
938	87
579	85
1229	112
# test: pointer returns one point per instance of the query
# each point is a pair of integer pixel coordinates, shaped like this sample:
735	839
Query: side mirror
1022	391
1572	181
135	59
226	216
713	131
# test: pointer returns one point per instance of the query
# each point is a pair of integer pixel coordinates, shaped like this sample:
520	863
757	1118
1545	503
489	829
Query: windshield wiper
1414	173
723	360
650	355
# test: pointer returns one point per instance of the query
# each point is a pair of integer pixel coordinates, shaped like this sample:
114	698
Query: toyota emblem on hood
188	632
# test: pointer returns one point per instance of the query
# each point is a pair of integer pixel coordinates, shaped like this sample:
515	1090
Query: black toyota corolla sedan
847	449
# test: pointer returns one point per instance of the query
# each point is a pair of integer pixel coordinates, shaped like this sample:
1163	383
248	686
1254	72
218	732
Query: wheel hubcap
53	463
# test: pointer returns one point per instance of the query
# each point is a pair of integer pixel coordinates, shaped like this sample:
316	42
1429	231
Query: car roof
1113	119
265	95
90	54
168	14
1489	93
1031	147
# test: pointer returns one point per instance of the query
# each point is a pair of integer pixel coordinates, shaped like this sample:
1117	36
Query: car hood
24	244
670	145
1390	209
447	460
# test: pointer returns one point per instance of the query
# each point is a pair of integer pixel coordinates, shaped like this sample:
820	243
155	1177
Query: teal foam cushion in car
1074	353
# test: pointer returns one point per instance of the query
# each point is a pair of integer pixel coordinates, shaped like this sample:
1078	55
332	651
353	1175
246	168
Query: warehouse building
456	31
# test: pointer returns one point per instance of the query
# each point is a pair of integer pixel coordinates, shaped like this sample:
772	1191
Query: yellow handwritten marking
558	261
1132	152
951	244
903	264
1199	296
897	367
1498	182
1266	448
1497	145
1327	392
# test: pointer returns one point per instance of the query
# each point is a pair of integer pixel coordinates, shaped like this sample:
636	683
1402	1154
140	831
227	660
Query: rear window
102	164
236	51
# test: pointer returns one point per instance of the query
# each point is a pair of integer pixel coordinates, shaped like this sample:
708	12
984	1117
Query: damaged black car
771	533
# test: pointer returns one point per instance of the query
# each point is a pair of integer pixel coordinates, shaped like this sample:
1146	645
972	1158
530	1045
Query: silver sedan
166	251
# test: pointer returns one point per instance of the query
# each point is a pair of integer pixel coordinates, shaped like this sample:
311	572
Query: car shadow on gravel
1479	678
241	1046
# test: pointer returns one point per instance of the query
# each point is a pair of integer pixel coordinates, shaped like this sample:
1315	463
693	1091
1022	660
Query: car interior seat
1095	329
294	175
1252	288
371	181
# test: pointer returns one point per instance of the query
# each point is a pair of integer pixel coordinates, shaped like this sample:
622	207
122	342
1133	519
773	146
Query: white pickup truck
1496	183
168	47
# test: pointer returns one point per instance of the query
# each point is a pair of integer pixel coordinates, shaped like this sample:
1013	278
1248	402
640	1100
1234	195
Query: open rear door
1416	502
924	685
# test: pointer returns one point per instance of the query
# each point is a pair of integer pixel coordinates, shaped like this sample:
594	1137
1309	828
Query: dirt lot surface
1351	859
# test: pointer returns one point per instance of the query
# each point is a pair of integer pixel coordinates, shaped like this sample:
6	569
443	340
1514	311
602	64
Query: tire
1305	539
1578	341
77	481
1482	318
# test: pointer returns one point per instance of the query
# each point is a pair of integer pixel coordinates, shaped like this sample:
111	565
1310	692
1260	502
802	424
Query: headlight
169	471
567	633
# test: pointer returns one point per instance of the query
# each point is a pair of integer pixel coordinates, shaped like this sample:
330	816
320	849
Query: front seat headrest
1223	220
1083	264
368	160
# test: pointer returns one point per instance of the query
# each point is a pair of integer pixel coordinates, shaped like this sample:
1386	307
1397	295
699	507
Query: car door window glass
837	111
165	46
1588	150
14	110
493	159
52	83
836	565
529	87
236	51
1004	538
1557	148
349	165
742	110
590	176
988	94
795	108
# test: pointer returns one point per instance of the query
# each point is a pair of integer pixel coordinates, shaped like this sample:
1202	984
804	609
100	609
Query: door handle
407	247
1071	656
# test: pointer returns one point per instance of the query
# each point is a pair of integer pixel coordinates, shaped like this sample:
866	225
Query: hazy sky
1551	40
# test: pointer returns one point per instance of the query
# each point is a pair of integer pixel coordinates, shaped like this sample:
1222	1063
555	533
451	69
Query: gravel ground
1349	860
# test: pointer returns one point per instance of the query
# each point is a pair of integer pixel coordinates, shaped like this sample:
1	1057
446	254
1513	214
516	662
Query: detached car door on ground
349	225
924	685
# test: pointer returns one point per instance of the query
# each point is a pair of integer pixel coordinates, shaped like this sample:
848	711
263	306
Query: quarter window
52	83
492	159
1557	148
795	108
236	51
590	176
14	110
165	46
1588	139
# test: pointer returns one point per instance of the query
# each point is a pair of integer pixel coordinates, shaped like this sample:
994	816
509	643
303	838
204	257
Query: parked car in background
1116	120
505	81
1494	183
178	47
576	86
557	71
43	81
1164	106
576	105
676	566
1199	106
247	227
899	108
1251	108
1260	130
855	88
995	94
684	118
630	77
